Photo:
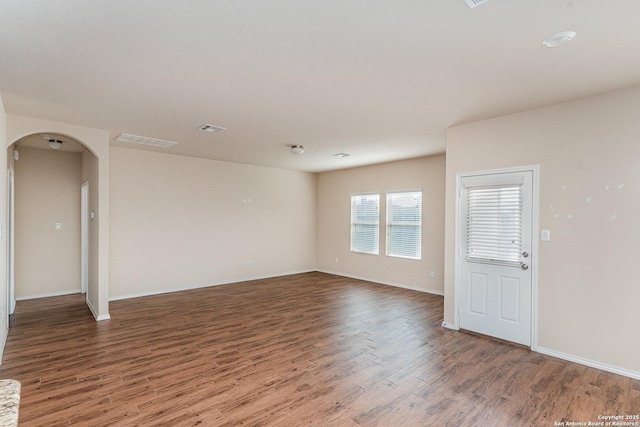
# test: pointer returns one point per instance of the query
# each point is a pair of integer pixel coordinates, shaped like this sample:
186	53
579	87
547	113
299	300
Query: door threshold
499	340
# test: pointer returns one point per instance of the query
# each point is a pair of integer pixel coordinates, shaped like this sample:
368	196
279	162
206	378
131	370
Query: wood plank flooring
308	349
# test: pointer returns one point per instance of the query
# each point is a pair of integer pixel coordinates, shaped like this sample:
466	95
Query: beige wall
47	185
4	303
180	222
90	175
334	218
589	157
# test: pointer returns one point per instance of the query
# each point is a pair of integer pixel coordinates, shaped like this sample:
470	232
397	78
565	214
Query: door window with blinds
494	223
365	223
404	224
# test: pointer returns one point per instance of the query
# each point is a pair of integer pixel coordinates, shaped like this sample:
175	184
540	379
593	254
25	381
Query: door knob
524	266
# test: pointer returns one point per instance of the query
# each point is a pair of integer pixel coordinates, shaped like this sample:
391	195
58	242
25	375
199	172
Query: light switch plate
545	235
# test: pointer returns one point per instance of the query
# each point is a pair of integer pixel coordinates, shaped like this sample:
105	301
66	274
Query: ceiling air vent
143	140
211	128
474	3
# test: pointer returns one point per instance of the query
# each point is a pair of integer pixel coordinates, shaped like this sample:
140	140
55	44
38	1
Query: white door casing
84	237
11	296
497	254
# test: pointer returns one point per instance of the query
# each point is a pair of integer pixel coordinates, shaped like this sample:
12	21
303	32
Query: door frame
535	190
11	245
84	237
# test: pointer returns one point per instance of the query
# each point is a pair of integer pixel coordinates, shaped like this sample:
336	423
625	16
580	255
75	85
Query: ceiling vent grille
143	140
211	128
474	3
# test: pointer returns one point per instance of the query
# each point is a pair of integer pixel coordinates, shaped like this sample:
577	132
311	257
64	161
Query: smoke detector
558	39
474	3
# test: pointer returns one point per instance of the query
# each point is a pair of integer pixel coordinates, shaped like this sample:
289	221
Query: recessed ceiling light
135	139
211	128
297	149
558	39
341	155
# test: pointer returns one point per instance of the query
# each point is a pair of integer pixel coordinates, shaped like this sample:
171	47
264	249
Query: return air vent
474	3
143	140
211	128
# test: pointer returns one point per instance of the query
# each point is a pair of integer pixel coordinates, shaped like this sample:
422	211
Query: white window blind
494	224
404	224
365	223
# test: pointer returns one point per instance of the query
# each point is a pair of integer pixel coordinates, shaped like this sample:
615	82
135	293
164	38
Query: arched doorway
46	182
95	170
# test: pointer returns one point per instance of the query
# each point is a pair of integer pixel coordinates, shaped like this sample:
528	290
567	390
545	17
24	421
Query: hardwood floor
309	349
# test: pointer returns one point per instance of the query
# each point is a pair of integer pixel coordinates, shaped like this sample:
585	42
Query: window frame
354	223
494	224
390	224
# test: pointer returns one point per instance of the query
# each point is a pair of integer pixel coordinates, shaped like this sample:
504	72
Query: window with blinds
494	224
365	223
404	224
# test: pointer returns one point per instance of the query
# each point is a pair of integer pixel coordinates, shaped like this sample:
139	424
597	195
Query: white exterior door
495	255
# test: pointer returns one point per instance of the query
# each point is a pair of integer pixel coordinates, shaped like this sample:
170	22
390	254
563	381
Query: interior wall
90	175
588	152
47	191
4	279
334	222
180	222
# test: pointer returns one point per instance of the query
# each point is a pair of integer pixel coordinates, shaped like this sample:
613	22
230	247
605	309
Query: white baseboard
397	285
590	363
70	292
52	294
3	341
95	312
206	285
450	326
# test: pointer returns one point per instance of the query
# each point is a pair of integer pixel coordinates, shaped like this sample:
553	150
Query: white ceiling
381	80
